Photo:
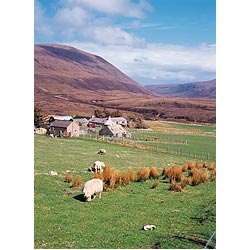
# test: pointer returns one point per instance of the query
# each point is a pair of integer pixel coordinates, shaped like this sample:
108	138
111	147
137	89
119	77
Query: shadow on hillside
79	197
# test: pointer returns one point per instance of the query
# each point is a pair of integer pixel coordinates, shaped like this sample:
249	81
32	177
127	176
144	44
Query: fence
139	144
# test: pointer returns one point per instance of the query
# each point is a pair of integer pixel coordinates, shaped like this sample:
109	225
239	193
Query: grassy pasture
62	220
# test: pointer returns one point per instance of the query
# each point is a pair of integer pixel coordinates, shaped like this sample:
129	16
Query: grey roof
61	124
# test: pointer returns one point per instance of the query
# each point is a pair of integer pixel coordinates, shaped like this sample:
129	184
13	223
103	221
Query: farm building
101	121
60	118
82	121
64	128
120	120
113	129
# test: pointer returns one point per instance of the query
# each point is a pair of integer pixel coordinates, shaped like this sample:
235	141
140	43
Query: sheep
53	173
149	227
91	187
97	167
102	151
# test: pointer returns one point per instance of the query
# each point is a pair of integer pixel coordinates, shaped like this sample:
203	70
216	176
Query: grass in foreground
62	220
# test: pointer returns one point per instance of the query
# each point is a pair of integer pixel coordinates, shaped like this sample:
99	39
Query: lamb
91	188
102	151
97	167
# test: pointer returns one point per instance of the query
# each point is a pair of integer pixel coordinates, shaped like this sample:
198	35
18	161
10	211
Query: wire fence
154	144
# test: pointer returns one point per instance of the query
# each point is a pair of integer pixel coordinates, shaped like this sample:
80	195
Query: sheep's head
87	197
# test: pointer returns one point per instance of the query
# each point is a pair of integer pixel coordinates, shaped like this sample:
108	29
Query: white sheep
53	173
91	188
149	227
102	151
98	166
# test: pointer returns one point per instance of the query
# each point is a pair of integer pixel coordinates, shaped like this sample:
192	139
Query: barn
64	128
113	129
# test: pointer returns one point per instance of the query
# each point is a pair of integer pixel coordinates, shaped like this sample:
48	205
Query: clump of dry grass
198	164
130	176
142	174
153	173
77	181
164	172
68	178
199	176
185	167
98	175
204	165
175	186
155	184
174	173
211	166
185	181
214	174
114	178
107	173
191	165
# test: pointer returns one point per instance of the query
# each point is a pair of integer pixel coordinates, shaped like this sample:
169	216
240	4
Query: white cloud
159	63
115	36
115	7
42	27
145	62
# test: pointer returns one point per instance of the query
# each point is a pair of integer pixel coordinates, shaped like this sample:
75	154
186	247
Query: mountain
72	82
61	69
205	89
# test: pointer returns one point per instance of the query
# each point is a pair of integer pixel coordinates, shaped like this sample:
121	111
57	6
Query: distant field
183	220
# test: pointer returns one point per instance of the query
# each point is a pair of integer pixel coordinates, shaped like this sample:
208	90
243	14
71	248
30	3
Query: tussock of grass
175	186
155	184
154	173
77	181
142	174
174	173
68	178
114	178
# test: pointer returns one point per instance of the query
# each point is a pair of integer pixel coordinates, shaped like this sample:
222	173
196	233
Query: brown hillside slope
69	82
61	69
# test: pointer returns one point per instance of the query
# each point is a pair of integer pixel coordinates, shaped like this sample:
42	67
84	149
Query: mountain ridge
56	64
202	89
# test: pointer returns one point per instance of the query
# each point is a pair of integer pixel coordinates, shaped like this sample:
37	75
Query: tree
38	117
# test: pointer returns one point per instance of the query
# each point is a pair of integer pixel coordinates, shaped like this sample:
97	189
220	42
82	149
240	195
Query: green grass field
62	220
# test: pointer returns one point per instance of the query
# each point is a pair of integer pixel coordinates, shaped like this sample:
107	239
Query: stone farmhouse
113	129
64	128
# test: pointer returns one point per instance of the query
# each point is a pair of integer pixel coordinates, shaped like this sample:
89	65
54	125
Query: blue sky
153	41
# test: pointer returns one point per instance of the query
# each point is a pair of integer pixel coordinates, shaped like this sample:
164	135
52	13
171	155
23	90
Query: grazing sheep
91	188
53	173
102	151
98	166
149	227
